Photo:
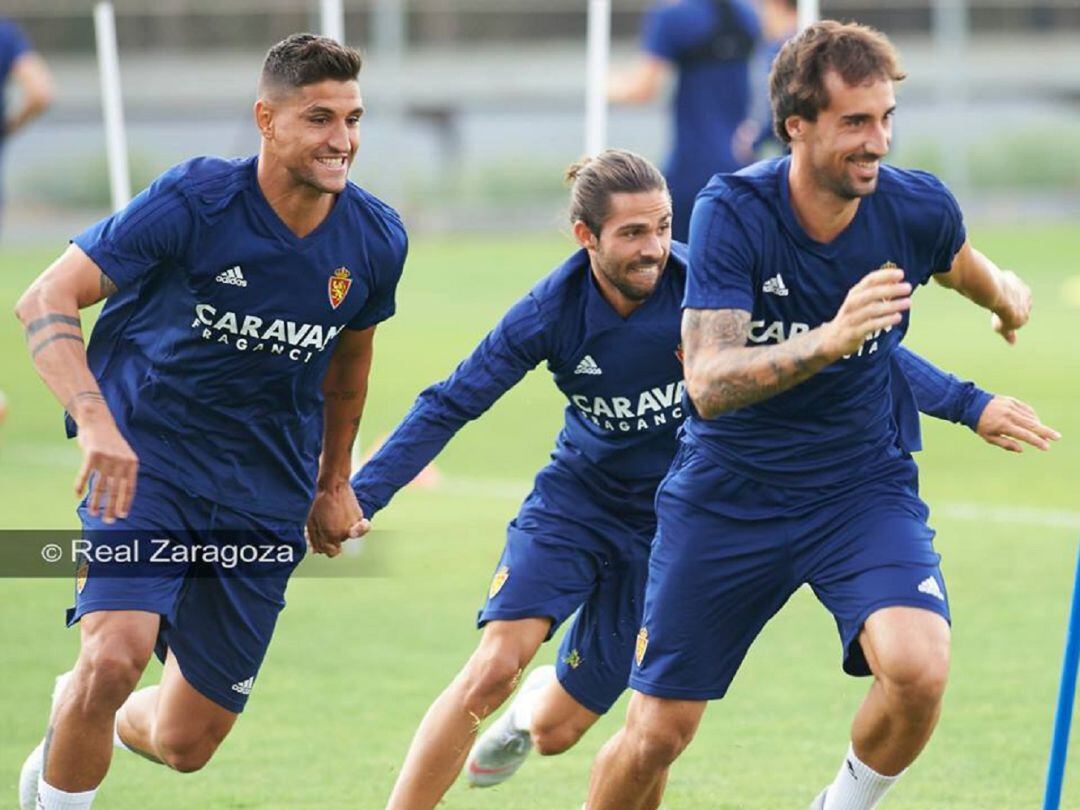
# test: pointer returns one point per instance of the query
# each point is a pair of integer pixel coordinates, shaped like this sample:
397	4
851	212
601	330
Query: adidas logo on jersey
775	286
587	366
234	275
244	687
930	586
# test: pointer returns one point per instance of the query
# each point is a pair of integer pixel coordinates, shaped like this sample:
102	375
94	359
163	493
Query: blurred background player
606	322
792	469
225	376
708	45
23	67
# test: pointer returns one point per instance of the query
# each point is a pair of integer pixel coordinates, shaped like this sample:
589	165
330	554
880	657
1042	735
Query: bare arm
723	374
335	513
1002	292
49	311
641	84
36	88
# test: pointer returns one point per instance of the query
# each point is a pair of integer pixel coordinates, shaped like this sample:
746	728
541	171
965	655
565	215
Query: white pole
111	105
332	19
809	12
599	49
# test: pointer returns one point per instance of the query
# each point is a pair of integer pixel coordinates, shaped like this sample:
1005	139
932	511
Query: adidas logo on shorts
234	275
930	586
244	687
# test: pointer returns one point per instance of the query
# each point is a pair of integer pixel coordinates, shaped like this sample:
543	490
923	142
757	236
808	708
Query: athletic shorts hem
674	692
232	701
575	693
74	614
517	615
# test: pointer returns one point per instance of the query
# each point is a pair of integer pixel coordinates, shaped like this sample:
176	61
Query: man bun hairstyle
303	59
593	180
858	53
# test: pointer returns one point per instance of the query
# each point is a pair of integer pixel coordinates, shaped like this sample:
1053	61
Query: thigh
871	552
184	713
713	583
228	611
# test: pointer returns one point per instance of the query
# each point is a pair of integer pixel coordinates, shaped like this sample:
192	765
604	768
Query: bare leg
559	721
172	723
446	733
908	651
631	769
115	648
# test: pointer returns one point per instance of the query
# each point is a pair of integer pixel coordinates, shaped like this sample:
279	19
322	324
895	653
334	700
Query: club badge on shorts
81	573
338	286
498	581
641	646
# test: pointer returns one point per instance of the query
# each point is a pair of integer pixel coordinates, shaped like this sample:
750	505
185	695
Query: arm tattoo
61	336
731	375
38	324
81	396
107	286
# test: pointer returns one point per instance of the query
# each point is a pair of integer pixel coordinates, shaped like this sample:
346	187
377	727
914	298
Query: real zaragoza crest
498	581
641	646
338	286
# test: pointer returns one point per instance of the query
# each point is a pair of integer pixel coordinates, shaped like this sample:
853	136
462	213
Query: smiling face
313	132
630	253
852	134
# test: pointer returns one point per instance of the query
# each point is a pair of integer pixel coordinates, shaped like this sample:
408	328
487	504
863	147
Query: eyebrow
863	116
321	110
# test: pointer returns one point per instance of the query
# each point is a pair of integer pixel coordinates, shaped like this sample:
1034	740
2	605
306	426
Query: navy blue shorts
216	576
573	547
729	552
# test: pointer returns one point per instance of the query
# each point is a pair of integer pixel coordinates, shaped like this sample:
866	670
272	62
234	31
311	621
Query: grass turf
356	660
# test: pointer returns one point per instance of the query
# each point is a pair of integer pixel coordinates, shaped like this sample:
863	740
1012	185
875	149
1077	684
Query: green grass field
356	660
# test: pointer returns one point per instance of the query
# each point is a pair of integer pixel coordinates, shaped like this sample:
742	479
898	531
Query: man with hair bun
606	323
793	468
215	406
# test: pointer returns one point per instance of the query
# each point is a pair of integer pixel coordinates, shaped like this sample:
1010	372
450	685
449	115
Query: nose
879	139
339	138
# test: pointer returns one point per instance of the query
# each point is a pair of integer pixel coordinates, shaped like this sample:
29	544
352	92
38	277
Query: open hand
1005	422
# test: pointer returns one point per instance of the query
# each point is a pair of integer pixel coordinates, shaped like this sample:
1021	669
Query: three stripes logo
587	366
775	286
931	587
234	275
244	687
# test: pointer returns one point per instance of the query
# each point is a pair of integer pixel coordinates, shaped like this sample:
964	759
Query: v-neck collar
277	224
829	249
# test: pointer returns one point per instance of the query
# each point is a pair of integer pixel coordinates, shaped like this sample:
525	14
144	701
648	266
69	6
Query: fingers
360	528
81	478
1005	443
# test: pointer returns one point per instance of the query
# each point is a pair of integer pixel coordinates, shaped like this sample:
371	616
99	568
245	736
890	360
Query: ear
264	118
584	236
795	126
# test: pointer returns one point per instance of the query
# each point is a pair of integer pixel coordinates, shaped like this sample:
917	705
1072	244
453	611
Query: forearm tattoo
35	350
728	374
38	324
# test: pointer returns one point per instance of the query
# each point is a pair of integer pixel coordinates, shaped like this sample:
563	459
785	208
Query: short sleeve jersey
212	354
748	252
713	94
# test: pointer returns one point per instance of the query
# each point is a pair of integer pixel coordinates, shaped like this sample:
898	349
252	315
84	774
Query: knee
550	739
489	678
917	681
658	744
183	751
106	674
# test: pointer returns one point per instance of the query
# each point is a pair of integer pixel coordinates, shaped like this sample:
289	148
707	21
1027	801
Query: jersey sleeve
721	264
951	233
154	228
940	394
665	32
381	305
517	344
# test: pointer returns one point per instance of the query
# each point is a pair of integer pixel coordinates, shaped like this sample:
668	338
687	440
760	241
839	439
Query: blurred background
475	106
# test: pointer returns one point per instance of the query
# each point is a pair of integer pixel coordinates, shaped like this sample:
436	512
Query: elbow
26	304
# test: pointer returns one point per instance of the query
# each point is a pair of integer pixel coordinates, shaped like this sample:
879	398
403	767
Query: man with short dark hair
792	468
225	379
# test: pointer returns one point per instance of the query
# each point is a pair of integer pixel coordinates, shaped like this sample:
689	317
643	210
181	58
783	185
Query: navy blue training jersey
212	354
709	43
748	252
622	379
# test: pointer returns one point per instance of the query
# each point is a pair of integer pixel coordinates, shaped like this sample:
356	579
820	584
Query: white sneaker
503	747
819	802
35	763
